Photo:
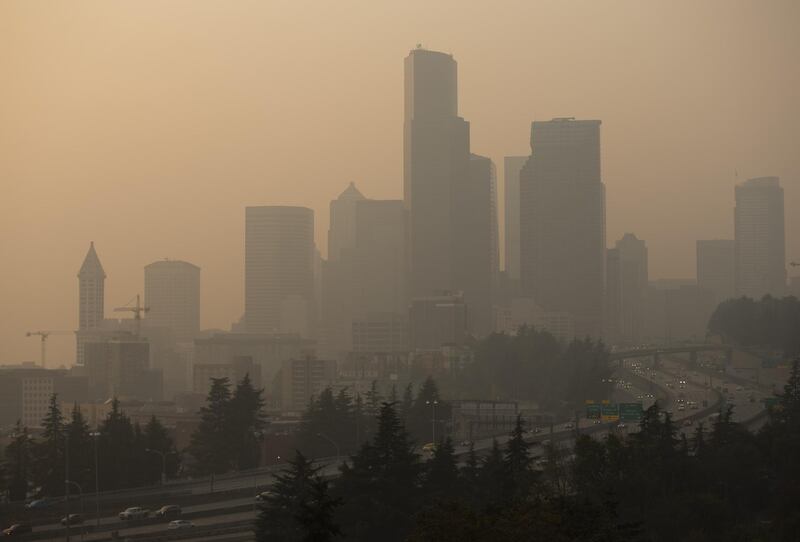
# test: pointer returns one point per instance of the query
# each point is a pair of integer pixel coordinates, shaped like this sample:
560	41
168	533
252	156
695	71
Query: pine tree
117	446
380	483
18	455
442	473
245	423
156	437
492	477
49	451
316	515
210	446
279	518
80	455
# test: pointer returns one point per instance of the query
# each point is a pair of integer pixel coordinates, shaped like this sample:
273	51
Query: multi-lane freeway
690	394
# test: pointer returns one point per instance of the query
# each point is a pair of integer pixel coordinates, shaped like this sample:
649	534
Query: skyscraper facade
449	193
91	305
172	294
512	166
436	160
716	261
760	239
626	288
279	270
475	243
342	230
562	222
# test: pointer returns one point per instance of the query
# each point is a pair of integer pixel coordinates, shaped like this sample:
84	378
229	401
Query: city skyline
192	243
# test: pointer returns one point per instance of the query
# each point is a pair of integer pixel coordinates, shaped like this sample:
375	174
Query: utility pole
66	482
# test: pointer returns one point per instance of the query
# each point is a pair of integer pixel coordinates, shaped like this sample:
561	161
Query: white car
180	524
134	512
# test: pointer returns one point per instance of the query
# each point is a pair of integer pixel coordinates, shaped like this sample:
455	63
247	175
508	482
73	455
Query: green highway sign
630	412
610	412
593	411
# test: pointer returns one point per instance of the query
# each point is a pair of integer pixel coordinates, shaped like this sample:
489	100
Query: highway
233	495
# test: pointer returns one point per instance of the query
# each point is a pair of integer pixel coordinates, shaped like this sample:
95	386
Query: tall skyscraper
342	230
172	293
449	193
759	236
562	222
715	268
436	160
511	168
91	305
475	243
626	289
279	270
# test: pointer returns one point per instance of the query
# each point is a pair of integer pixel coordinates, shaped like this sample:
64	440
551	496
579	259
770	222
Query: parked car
168	511
134	512
466	443
180	524
72	519
18	529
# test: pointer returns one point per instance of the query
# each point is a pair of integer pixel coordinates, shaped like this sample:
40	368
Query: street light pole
95	436
66	483
163	464
433	419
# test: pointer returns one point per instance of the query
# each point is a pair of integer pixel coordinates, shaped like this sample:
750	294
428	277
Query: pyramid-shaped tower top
351	193
91	265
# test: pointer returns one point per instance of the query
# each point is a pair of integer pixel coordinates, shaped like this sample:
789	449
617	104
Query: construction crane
137	311
44	334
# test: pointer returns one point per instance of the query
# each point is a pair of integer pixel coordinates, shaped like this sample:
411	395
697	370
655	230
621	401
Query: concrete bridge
657	351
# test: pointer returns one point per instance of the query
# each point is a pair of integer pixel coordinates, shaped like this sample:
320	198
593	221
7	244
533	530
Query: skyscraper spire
91	283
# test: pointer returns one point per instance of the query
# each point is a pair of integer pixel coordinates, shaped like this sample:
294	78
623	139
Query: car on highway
38	504
72	519
569	425
180	524
597	422
168	511
621	426
466	443
429	448
18	529
134	512
536	430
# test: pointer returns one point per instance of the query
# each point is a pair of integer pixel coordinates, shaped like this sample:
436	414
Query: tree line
721	483
126	454
343	421
769	323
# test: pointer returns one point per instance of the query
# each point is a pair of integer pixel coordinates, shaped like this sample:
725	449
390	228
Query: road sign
593	411
610	412
630	412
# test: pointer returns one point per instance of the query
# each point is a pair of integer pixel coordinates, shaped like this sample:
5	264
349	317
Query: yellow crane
44	334
137	311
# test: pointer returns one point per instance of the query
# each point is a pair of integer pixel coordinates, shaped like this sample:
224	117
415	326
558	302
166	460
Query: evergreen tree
245	423
492	477
211	446
316	515
18	457
156	437
407	404
380	484
442	473
117	446
49	451
80	449
292	491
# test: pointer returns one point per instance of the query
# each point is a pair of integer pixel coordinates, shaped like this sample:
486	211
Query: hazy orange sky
147	127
